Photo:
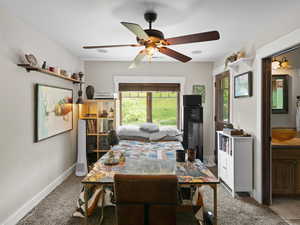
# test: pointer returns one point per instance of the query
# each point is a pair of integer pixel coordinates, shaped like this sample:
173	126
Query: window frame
149	108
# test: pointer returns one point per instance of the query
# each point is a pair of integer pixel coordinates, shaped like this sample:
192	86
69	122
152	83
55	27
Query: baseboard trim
29	205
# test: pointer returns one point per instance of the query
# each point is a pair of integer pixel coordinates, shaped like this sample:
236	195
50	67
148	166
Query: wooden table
151	159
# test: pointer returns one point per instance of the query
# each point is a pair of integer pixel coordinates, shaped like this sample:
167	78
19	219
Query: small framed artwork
199	89
53	111
243	85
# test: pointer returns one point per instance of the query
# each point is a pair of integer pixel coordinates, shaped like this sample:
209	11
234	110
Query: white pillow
132	131
166	132
149	127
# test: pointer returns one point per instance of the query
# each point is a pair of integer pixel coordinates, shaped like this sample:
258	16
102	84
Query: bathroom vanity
286	170
285	162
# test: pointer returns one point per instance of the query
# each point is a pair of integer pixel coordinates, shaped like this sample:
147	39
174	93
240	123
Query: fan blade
111	46
137	30
174	54
200	37
138	59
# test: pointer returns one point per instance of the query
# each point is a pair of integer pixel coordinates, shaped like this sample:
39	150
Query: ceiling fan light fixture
151	50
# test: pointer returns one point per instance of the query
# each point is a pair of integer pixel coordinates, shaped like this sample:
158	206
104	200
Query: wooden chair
146	199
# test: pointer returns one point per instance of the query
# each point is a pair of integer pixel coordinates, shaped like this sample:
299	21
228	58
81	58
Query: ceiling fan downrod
150	17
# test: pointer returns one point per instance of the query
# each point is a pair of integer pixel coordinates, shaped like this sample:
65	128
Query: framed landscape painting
53	111
243	85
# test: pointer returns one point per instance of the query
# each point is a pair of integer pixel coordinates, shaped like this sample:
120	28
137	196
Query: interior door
222	103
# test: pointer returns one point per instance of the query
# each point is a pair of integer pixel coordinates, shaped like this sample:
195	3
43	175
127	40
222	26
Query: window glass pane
223	100
277	94
134	107
225	82
226	105
164	108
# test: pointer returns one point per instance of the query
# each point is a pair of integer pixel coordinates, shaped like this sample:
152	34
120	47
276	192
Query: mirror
280	94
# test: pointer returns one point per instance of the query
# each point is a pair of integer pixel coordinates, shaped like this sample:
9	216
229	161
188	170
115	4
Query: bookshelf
100	117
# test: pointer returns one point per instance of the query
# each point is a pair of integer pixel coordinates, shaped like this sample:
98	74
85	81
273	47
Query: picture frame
199	89
243	85
53	111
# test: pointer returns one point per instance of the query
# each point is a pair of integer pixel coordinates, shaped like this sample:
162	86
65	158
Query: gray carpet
58	207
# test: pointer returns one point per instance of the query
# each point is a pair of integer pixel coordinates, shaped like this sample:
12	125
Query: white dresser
235	162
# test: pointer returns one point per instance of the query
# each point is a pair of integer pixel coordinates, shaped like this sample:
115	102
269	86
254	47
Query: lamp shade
275	64
285	63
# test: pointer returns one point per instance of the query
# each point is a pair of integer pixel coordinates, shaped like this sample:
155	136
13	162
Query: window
280	94
146	103
222	98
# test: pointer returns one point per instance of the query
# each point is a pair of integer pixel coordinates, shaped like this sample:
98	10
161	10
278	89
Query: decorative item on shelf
30	58
80	99
111	113
51	69
57	70
246	135
44	66
230	59
233	132
104	113
241	54
113	138
75	76
63	72
89	91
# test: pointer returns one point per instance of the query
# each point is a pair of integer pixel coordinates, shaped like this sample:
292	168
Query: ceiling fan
154	40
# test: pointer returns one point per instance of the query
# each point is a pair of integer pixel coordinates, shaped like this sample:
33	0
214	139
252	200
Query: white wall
289	119
101	75
247	112
26	167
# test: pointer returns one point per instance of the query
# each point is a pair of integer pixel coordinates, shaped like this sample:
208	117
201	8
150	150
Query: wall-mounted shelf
33	68
235	65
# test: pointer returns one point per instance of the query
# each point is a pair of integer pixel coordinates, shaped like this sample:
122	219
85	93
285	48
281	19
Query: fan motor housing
155	35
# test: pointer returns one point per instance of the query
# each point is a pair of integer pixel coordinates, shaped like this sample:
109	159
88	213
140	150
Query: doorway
280	136
222	104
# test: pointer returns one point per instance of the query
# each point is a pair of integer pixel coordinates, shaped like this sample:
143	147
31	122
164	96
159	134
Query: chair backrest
146	199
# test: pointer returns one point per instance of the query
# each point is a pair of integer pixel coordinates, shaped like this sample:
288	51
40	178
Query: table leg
215	204
102	206
86	205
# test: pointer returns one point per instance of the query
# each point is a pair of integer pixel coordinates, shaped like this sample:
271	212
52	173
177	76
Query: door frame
266	124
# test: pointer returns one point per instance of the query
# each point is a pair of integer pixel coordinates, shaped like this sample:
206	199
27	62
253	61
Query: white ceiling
75	23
